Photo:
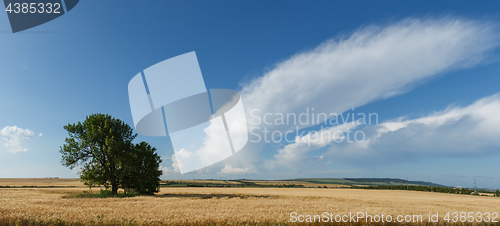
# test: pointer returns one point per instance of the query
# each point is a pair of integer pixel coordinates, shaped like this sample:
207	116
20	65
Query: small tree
497	193
91	177
140	171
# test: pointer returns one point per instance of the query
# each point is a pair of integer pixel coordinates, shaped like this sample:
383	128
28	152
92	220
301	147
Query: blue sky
81	63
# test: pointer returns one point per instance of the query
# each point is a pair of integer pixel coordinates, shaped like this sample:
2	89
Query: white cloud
171	170
228	169
454	131
373	63
208	143
12	138
296	153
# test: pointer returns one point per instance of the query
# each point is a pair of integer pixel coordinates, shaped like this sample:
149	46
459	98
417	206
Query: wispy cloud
12	138
373	63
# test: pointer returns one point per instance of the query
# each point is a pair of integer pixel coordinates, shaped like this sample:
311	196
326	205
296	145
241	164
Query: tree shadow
210	196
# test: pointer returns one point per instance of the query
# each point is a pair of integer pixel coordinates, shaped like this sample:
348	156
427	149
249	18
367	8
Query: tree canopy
102	148
140	171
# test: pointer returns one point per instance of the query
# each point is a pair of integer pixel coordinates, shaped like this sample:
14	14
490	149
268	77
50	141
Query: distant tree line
425	188
242	184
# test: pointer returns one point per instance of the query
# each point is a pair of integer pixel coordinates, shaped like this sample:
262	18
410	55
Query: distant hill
366	181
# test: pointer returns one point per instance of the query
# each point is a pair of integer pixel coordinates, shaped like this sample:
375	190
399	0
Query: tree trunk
114	188
114	179
114	183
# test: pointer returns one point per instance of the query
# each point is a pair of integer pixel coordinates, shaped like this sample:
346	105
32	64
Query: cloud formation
296	153
12	138
471	130
171	170
373	63
455	131
228	169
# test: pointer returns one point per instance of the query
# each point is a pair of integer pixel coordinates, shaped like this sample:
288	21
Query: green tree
140	171
497	193
102	147
91	176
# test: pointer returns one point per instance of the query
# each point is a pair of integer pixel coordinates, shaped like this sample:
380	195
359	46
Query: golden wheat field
223	206
40	182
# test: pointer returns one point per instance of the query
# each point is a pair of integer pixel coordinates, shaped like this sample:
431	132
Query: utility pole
474	184
407	183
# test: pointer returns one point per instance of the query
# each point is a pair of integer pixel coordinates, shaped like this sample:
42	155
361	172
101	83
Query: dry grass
206	206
